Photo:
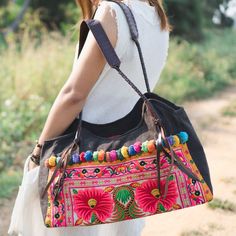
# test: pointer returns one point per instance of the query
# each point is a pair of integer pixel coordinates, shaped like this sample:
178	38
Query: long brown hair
88	9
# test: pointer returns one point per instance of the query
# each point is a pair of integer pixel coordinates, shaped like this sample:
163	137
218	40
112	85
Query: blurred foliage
229	110
210	6
14	136
190	17
224	205
187	17
40	18
53	14
30	80
57	13
195	71
9	182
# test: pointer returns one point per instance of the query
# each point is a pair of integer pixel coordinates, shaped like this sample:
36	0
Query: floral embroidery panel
95	193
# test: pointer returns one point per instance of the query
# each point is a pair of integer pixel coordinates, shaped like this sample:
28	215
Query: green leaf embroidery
123	195
161	207
93	218
171	177
75	191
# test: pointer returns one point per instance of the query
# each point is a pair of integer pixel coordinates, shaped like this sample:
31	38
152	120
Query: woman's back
112	98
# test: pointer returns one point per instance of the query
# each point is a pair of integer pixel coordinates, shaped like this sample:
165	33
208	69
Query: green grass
9	182
36	71
195	71
230	110
224	205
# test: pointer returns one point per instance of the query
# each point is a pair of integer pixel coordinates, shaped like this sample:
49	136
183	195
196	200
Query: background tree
188	17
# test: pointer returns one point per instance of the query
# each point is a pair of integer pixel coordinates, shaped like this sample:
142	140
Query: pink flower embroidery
148	198
91	201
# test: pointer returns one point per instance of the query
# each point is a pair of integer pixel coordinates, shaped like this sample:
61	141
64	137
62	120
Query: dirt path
218	135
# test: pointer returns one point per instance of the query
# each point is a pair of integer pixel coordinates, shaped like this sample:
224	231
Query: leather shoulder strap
103	42
134	35
108	51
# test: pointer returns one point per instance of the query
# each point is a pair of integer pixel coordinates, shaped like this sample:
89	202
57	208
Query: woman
91	83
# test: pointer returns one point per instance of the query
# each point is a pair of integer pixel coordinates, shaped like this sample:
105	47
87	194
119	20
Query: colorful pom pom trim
123	153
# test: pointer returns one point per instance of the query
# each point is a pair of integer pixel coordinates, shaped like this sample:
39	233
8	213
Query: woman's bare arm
84	75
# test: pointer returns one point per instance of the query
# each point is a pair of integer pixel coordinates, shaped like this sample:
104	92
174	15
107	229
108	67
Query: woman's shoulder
114	23
110	13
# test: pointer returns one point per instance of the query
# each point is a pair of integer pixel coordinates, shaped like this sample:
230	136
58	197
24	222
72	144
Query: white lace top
112	97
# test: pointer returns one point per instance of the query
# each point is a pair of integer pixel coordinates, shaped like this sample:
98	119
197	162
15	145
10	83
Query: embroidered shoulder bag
148	162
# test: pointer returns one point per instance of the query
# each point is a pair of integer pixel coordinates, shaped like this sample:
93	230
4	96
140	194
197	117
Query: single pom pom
119	155
170	140
176	140
144	146
137	146
95	156
113	155
108	158
183	136
124	151
82	158
75	158
52	161
101	155
46	163
88	156
131	150
151	146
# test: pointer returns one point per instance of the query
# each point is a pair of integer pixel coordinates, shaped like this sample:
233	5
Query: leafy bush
9	181
196	71
30	80
185	16
20	119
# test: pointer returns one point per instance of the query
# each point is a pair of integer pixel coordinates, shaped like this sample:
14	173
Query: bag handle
134	36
